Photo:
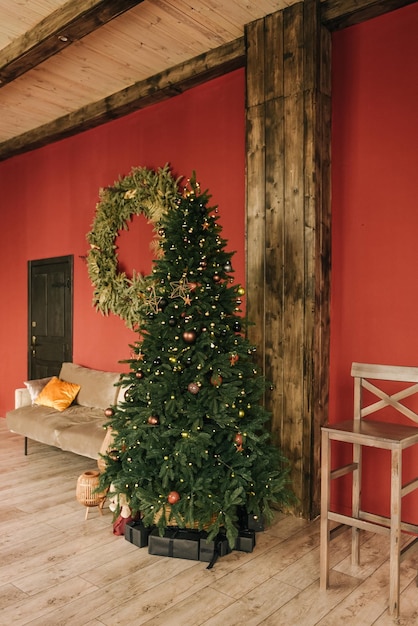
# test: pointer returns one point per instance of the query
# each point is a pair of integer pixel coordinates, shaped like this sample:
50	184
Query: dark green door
50	333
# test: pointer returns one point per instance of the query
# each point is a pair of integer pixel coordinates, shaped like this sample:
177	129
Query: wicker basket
87	484
173	522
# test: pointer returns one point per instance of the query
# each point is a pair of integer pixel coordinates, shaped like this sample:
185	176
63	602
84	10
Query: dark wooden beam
74	21
159	87
338	14
288	212
67	24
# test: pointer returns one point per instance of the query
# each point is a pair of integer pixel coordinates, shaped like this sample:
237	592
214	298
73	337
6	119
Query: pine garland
142	192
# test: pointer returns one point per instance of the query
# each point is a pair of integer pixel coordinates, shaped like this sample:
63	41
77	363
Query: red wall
48	200
375	213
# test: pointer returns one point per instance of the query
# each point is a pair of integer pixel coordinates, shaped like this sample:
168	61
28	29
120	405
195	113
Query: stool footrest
334	532
411	486
410	547
385	521
342	471
358	523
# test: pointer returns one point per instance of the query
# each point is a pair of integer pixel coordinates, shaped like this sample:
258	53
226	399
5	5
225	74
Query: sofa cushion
77	429
40	423
58	394
97	388
35	386
83	431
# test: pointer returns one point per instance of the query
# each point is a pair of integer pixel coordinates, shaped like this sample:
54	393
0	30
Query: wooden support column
288	229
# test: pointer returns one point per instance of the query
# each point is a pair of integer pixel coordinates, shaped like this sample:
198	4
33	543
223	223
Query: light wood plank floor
58	569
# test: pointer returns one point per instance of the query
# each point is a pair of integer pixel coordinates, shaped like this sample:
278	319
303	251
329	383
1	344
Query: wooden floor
58	569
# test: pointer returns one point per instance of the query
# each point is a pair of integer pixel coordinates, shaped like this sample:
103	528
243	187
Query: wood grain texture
56	568
358	434
290	308
338	14
159	87
54	54
69	23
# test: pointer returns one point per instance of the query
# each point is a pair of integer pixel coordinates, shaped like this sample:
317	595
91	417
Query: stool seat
358	433
367	433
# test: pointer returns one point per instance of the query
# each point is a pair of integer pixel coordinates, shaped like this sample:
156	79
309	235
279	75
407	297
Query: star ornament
152	301
179	288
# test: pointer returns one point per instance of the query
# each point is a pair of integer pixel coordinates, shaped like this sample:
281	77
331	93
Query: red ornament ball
216	380
173	497
139	374
238	439
153	420
193	388
109	412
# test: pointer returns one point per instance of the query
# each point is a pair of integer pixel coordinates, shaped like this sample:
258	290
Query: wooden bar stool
377	434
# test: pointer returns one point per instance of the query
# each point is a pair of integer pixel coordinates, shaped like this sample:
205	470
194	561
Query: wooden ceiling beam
71	22
159	87
335	14
338	14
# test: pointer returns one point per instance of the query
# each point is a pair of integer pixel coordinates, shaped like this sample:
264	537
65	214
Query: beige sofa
80	427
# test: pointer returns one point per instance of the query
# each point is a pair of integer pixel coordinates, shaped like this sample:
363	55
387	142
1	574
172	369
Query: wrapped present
178	543
210	551
137	533
249	521
245	541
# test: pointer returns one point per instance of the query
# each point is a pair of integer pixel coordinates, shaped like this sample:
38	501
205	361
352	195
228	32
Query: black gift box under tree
178	543
209	551
184	543
137	533
245	542
249	521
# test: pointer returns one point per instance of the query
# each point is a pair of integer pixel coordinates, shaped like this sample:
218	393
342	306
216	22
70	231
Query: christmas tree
191	444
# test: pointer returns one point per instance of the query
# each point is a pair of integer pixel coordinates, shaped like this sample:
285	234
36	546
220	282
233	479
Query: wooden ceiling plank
162	86
17	17
73	21
133	60
194	24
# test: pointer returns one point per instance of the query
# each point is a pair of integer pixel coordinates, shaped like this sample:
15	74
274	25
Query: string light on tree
192	389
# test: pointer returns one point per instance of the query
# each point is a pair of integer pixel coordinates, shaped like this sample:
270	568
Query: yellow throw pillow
58	394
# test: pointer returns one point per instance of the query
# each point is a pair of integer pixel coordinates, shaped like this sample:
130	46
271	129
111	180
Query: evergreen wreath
142	192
